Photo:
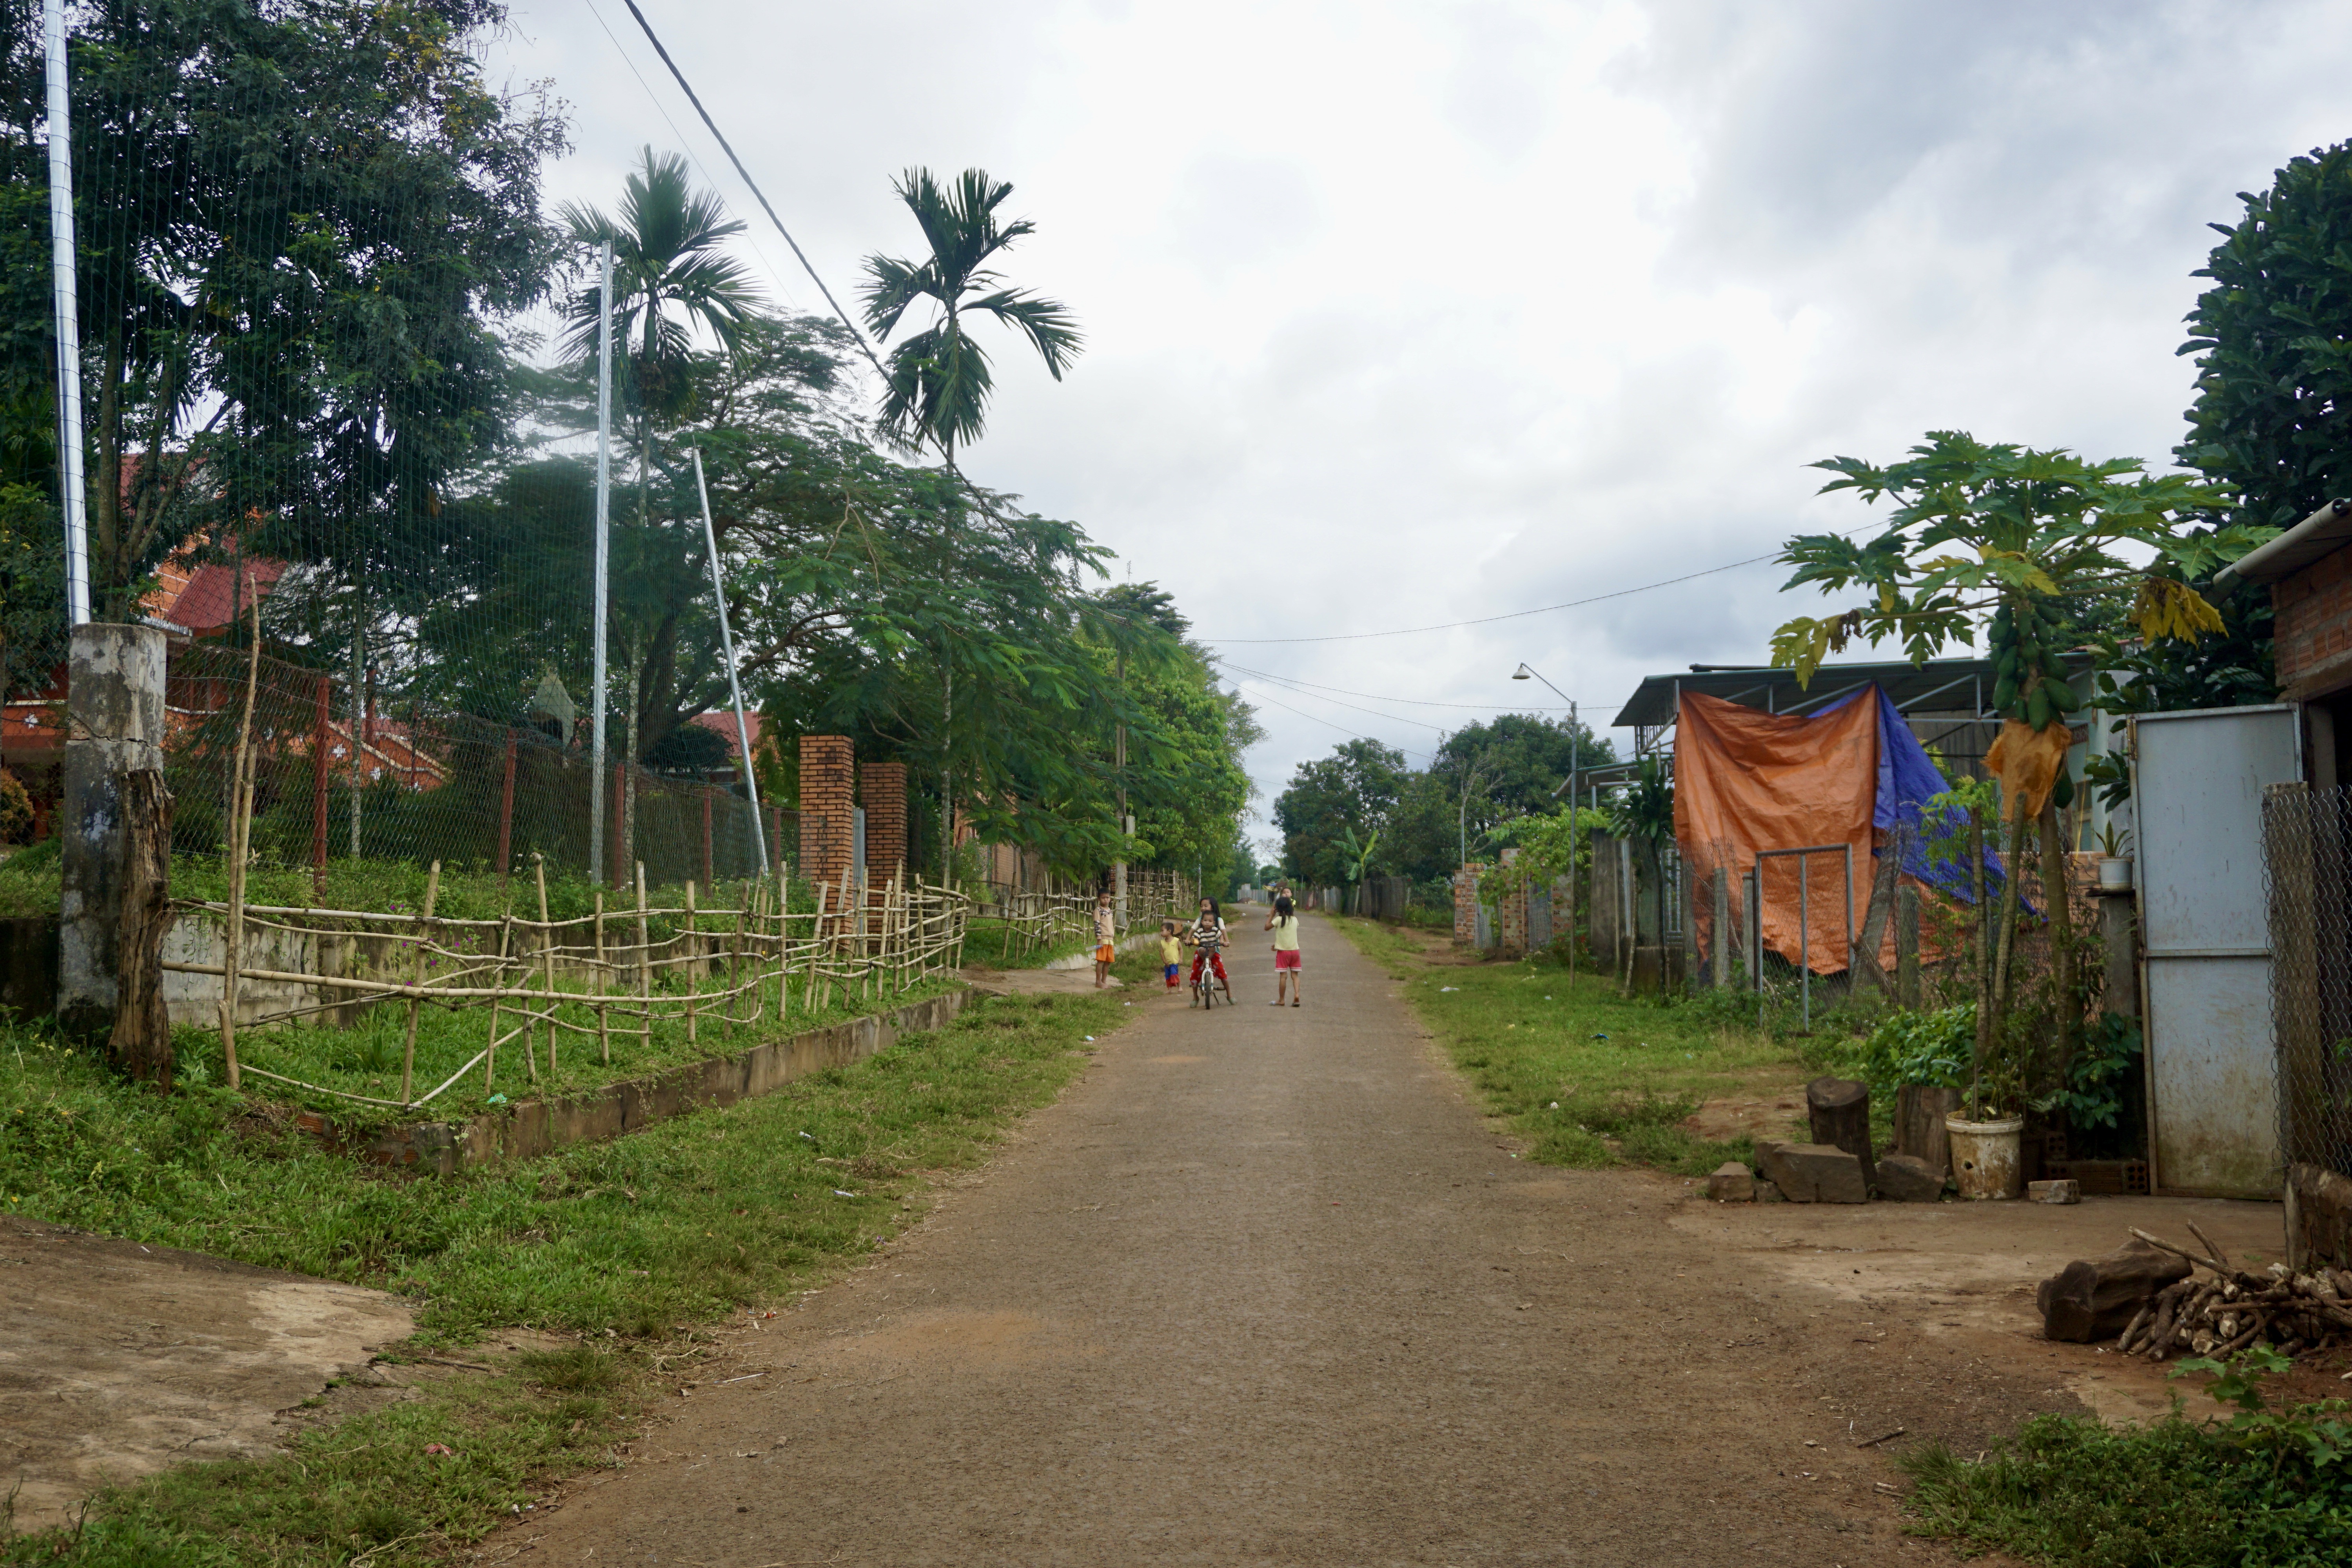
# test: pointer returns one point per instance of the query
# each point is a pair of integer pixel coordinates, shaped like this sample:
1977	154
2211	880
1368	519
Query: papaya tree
2033	549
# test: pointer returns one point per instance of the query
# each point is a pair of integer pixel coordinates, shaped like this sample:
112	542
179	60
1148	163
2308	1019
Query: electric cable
1383	697
1341	728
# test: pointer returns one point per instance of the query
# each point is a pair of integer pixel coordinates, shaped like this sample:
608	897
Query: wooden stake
417	977
693	945
547	954
735	964
240	833
603	1027
644	960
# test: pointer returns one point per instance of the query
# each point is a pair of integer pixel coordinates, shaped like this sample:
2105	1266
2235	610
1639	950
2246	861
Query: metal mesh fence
2307	875
424	786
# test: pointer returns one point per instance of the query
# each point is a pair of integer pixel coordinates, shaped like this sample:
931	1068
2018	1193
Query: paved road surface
1262	1289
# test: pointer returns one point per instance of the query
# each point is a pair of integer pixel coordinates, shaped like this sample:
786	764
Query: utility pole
71	495
603	573
1126	822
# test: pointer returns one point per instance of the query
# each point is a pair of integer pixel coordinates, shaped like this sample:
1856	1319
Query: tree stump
2097	1298
140	1042
1919	1113
1838	1110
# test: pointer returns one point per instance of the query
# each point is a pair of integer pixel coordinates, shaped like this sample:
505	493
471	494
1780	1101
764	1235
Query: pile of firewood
2224	1309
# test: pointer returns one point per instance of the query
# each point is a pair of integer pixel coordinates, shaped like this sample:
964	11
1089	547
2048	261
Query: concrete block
1908	1179
1814	1172
1732	1183
2061	1192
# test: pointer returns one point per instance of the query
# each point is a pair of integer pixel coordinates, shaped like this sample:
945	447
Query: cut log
1814	1172
2096	1298
1919	1113
1838	1108
140	1042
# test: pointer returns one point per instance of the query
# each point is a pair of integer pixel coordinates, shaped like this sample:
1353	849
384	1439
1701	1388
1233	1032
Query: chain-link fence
2307	875
384	780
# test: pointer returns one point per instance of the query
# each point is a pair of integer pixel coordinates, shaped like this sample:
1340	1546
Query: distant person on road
1171	952
1287	974
1207	935
1106	939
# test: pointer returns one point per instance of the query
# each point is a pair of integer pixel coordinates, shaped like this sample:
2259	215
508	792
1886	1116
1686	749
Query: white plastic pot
1987	1159
2115	874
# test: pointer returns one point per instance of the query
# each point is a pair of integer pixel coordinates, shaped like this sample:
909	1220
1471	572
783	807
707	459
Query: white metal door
2196	833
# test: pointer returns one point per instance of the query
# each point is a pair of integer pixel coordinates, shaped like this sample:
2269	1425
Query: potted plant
2115	861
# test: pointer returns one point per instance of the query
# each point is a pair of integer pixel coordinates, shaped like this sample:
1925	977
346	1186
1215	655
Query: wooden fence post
505	810
707	794
319	792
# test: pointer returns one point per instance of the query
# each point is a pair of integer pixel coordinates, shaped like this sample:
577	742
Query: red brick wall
1466	903
884	786
2313	632
828	831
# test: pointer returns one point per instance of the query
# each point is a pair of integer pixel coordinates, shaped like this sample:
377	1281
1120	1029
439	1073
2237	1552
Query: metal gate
2212	1091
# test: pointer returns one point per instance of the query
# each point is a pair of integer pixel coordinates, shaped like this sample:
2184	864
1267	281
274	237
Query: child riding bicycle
1207	935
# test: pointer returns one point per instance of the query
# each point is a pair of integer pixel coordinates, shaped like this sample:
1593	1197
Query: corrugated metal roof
1940	685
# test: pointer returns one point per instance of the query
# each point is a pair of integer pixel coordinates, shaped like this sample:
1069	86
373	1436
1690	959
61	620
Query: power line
728	147
659	107
1383	697
1318	719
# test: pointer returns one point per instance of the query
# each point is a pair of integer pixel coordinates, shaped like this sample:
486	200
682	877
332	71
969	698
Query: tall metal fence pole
70	485
603	568
727	651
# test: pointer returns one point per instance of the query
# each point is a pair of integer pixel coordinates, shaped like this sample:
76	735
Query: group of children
1206	937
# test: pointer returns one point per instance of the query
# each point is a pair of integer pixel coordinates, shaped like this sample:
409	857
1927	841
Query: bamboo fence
596	977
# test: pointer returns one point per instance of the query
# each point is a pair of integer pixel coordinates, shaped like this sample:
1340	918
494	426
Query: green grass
1587	1078
618	1243
365	1058
2075	1493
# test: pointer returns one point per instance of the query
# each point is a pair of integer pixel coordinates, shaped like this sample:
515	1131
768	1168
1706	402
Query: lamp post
1575	754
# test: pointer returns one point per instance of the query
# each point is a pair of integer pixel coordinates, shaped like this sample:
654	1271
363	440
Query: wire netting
2307	874
339	355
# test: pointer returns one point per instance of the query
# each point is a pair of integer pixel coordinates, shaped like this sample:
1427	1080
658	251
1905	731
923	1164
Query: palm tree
670	276
938	378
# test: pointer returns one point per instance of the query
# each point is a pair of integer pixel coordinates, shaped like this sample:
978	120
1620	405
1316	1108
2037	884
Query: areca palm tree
938	378
671	275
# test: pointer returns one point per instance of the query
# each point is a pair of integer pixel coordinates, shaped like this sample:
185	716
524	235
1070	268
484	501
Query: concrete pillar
2118	929
114	727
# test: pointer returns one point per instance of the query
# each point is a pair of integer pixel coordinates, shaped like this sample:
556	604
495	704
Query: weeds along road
1262	1288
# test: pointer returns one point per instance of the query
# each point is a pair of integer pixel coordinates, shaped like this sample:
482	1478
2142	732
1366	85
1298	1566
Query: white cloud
1402	314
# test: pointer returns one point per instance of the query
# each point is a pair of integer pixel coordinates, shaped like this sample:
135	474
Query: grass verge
617	1246
2262	1491
1590	1079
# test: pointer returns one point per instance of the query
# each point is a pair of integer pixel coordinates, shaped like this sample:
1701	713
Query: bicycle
1204	982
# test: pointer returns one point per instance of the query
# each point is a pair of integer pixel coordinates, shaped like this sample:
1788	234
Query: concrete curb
531	1128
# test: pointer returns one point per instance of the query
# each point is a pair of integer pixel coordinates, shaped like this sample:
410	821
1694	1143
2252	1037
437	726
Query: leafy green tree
2272	425
938	378
298	221
1350	793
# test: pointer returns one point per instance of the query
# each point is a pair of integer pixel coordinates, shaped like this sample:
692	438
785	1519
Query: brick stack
828	828
884	785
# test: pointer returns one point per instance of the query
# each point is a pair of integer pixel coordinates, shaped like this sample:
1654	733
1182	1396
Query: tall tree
297	221
2272	419
939	379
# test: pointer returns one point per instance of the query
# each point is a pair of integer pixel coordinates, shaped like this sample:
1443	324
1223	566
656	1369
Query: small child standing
1171	954
1106	939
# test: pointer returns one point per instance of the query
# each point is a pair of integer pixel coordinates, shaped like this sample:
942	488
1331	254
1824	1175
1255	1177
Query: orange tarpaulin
1746	780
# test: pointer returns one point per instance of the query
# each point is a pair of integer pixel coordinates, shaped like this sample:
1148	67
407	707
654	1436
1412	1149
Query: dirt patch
117	1359
1764	1115
1961	1276
1034	982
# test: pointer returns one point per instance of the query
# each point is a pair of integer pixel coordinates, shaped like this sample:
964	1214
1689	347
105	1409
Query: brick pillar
884	785
827	826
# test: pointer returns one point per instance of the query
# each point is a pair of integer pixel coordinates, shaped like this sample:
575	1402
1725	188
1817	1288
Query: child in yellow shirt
1171	954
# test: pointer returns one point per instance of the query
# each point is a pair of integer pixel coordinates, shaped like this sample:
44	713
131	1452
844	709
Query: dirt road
1263	1288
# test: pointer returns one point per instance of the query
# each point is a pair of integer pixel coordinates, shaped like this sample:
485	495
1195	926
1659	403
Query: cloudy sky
1408	314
